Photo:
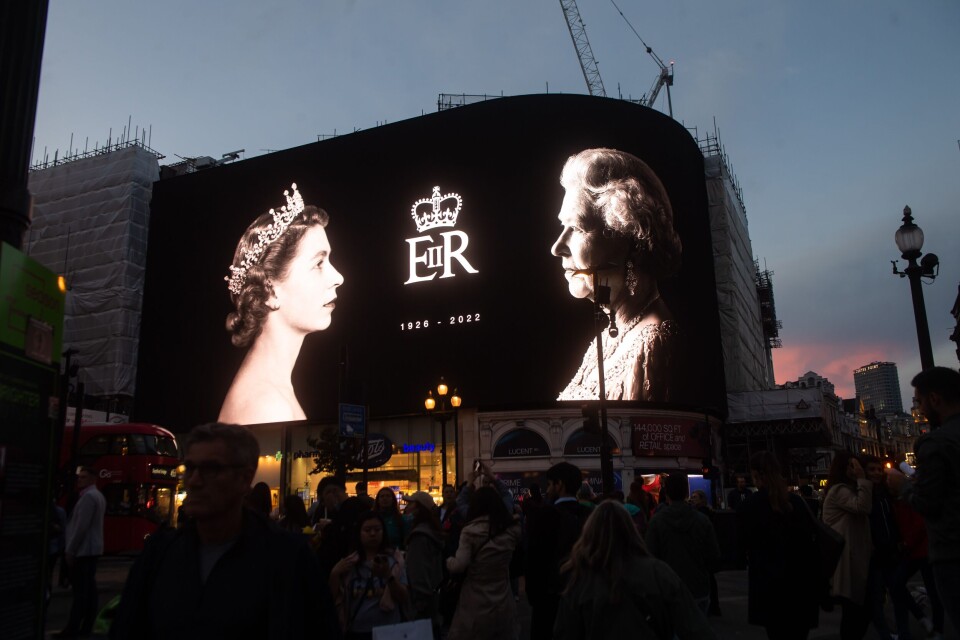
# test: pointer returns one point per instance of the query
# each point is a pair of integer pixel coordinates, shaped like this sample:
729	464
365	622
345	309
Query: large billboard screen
466	244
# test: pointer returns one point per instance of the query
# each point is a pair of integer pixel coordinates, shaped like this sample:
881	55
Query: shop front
404	454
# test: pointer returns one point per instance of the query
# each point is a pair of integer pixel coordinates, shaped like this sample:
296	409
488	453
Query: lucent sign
470	265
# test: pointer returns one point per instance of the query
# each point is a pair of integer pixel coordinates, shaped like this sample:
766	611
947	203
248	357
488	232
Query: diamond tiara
251	256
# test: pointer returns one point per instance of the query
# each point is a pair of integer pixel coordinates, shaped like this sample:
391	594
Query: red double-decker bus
138	468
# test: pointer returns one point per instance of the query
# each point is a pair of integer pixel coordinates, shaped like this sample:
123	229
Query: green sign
31	307
31	330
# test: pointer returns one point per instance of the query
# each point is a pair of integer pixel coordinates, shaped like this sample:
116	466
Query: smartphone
906	469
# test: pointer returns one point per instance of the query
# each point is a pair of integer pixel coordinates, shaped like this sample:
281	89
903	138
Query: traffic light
591	418
710	472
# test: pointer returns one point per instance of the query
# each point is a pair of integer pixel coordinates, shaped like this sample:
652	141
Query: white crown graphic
436	211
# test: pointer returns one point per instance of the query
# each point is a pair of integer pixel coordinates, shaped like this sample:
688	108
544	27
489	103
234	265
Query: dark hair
869	459
331	481
609	539
241	444
677	487
360	486
567	474
393	510
295	513
766	466
485	501
806	491
838	469
940	380
246	321
535	492
260	499
384	540
628	198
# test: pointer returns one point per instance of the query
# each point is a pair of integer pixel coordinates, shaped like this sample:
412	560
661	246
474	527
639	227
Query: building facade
878	388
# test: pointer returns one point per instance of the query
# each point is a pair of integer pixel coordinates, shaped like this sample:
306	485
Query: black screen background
504	158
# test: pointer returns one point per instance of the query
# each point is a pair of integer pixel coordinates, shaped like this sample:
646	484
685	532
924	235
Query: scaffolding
453	100
711	146
768	310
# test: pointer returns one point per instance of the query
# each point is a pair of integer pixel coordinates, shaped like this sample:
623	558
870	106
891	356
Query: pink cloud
832	361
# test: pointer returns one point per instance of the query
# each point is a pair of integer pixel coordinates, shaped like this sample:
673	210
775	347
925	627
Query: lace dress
637	365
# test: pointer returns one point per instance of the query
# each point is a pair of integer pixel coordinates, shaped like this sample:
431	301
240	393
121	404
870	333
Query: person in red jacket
913	534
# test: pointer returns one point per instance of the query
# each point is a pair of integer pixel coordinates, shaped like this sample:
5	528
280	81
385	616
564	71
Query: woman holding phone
369	585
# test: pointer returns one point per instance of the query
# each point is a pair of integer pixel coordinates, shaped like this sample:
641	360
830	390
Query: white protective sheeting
747	361
775	404
90	223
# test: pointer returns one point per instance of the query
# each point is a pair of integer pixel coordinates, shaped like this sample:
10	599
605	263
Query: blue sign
419	448
353	420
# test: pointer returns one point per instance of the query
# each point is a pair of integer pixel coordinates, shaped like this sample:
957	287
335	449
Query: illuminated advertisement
469	244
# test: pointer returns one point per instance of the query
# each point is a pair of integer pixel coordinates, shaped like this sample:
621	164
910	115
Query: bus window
119	499
96	446
157	445
120	445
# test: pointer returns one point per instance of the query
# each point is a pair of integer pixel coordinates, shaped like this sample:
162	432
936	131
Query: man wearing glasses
228	572
84	544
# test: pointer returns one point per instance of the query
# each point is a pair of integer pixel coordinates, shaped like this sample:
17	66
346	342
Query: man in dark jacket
337	518
684	538
886	543
228	572
551	531
933	492
739	494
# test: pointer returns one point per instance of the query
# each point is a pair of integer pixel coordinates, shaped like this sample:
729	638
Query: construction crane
664	79
584	53
591	73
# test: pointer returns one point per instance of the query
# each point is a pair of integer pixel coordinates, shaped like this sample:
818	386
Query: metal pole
366	446
606	461
443	449
456	448
920	314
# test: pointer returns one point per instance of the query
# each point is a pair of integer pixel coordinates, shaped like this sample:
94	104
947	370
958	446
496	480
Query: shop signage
669	436
582	443
521	443
418	448
379	451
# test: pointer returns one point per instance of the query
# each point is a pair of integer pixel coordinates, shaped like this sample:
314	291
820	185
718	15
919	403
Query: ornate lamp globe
430	403
909	236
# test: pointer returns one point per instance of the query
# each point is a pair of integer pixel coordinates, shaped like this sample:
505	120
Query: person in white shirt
84	545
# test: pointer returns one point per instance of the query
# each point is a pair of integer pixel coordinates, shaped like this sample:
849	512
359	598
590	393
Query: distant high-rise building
878	387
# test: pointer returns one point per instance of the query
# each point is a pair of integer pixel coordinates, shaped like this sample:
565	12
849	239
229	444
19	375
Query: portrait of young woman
618	224
283	286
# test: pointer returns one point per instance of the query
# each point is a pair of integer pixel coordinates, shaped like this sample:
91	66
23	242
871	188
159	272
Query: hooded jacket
424	558
684	539
651	602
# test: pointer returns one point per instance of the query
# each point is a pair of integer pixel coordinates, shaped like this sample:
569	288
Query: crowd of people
592	567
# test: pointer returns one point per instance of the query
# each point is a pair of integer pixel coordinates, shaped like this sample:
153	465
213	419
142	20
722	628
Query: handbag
829	546
449	590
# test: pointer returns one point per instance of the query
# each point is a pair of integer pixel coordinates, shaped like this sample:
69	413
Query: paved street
112	572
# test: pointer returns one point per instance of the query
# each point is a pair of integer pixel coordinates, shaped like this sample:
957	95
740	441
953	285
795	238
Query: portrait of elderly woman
283	286
617	222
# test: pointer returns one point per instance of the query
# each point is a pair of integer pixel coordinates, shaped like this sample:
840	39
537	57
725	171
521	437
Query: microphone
601	293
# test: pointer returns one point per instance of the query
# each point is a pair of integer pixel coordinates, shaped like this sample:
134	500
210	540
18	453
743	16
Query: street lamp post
443	414
909	239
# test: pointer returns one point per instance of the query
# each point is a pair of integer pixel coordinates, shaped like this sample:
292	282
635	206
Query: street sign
353	420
